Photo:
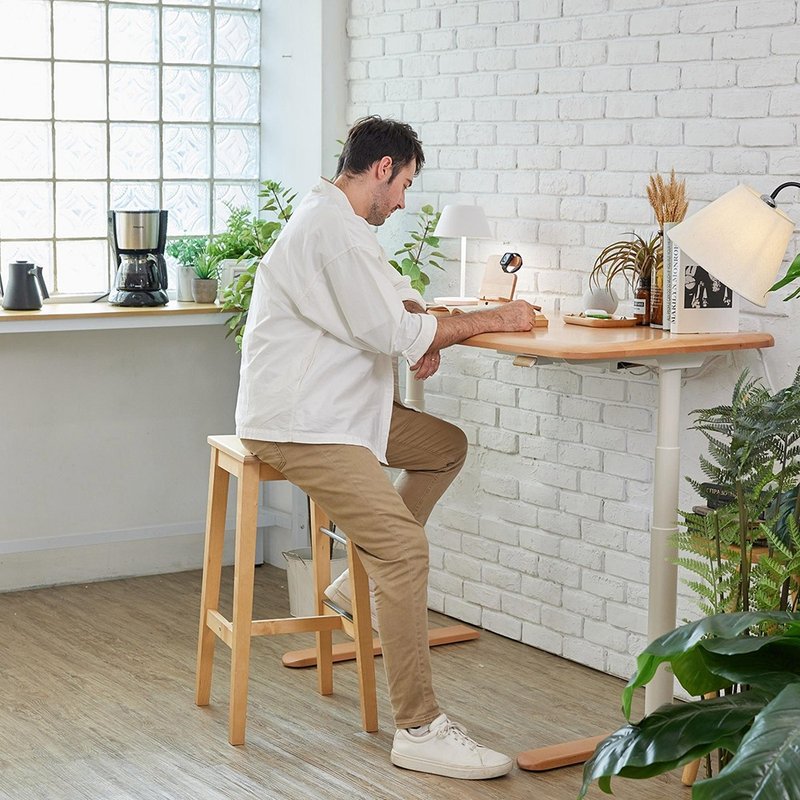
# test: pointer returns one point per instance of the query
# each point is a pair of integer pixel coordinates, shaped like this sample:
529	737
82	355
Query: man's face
390	194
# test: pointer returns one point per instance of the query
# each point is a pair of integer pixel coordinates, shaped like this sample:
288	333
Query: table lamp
740	238
462	221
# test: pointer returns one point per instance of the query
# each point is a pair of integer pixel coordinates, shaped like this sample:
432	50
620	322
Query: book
698	302
541	320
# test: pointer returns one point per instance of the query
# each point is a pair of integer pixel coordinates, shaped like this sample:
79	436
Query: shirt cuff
423	340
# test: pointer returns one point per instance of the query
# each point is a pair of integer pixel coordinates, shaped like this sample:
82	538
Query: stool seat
230	457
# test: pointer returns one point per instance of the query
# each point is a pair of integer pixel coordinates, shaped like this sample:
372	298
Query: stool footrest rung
223	628
337	537
271	627
345	651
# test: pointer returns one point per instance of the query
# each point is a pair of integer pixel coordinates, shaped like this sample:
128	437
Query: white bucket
300	577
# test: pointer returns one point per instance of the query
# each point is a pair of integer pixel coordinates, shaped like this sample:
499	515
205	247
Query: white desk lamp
740	238
460	222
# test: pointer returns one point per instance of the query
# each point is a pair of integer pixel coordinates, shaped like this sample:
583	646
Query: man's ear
383	168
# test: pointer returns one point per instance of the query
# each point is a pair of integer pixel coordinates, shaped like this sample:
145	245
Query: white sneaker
447	750
339	592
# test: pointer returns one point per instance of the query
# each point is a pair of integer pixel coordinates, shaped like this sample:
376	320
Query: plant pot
204	290
601	298
185	278
226	271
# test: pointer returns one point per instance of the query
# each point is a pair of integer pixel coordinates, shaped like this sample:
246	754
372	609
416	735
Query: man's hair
372	138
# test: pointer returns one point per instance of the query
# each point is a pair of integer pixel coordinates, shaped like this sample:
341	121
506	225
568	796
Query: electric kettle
26	289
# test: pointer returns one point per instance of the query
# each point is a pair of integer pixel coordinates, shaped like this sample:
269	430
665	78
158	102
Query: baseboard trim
107	555
266	518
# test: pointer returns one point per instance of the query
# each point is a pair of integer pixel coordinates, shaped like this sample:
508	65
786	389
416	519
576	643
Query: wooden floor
96	703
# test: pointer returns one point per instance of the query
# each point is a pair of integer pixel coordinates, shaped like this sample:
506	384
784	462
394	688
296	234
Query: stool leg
321	556
244	575
218	480
362	628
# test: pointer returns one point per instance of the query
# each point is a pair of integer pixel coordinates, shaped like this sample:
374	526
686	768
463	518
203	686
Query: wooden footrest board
559	755
346	651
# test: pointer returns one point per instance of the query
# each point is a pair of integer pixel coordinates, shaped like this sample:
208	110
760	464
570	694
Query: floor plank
97	704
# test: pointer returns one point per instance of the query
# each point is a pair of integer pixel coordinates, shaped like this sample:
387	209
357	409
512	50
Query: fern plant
753	456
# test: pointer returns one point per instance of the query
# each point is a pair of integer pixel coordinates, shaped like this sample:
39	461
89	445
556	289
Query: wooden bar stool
229	457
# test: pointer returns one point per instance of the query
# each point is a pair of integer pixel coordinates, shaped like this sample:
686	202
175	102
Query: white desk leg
415	391
663	571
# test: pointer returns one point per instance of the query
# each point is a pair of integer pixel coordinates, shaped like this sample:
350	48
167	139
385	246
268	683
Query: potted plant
186	250
631	260
669	204
744	558
204	283
757	727
421	252
247	239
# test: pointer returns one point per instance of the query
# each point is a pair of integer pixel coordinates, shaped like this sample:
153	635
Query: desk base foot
559	755
346	651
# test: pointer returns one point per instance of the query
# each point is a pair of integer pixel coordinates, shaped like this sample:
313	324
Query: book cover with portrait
699	302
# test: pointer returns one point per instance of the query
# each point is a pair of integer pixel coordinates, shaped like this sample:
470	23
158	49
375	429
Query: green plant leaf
671	736
767	762
682	639
792	274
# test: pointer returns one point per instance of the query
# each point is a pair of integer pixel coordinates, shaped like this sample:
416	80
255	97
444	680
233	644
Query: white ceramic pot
226	271
601	298
185	277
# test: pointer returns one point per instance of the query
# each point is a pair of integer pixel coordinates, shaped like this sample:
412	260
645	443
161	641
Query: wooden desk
669	354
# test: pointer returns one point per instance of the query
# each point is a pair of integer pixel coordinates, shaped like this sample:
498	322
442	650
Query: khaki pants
385	522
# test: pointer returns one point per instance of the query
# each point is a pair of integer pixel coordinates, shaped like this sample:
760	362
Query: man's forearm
457	327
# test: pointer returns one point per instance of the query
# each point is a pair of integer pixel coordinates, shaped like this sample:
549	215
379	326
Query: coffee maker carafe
137	240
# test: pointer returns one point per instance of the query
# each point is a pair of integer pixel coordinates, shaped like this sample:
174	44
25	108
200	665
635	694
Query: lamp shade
459	221
739	239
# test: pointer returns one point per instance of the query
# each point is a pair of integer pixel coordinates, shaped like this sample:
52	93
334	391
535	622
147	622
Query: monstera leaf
671	736
767	763
759	723
674	646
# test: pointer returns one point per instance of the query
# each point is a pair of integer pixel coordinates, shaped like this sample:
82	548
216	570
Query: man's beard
376	216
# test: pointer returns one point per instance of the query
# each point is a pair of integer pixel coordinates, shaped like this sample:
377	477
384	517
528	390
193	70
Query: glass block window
122	104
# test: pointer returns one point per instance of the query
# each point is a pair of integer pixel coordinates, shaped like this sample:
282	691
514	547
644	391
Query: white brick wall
551	114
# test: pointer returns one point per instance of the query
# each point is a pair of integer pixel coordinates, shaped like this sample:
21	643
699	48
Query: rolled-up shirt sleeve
355	300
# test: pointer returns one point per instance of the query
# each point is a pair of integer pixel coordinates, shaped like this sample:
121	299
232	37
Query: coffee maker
137	240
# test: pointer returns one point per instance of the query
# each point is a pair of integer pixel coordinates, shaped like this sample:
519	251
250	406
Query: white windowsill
102	316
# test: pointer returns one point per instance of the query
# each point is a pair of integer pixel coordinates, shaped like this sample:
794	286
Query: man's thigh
351	486
419	441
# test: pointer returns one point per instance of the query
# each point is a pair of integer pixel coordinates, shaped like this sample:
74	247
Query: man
328	316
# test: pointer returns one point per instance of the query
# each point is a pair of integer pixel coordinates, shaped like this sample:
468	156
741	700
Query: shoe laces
457	733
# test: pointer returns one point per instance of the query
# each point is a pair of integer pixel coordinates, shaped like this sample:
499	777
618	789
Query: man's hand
517	315
426	366
413	307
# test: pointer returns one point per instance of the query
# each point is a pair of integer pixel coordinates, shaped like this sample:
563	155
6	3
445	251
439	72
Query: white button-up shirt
326	321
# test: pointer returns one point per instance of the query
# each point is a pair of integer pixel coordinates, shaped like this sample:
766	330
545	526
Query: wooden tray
593	322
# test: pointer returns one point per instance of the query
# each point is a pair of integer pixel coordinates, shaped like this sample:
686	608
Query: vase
601	298
185	278
204	290
227	269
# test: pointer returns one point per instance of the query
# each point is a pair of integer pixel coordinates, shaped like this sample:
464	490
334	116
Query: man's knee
457	446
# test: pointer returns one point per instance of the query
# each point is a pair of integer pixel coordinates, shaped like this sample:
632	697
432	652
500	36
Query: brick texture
551	114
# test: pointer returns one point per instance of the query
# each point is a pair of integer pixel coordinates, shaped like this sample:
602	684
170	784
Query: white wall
551	114
103	458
